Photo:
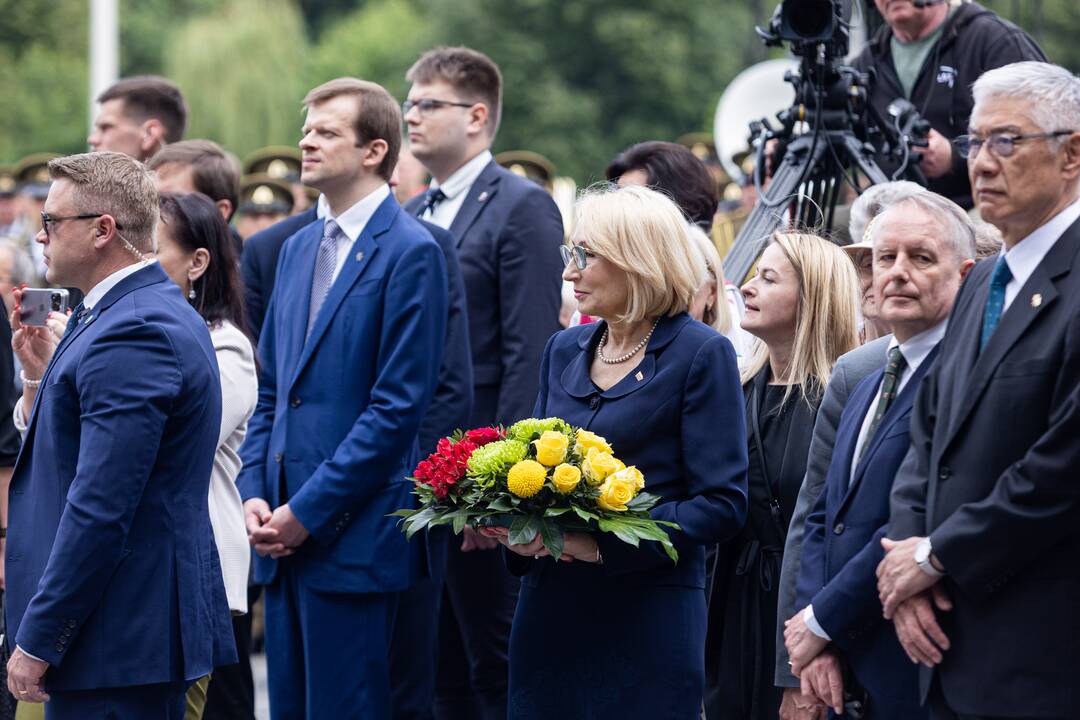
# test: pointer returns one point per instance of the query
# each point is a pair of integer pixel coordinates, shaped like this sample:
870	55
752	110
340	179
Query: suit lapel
358	260
478	198
1037	294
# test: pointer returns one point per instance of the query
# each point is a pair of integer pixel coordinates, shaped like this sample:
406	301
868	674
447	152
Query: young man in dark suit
923	247
508	231
981	578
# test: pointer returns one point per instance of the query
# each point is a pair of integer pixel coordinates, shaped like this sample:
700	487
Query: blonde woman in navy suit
619	632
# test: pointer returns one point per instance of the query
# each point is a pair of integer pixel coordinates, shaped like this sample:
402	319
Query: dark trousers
160	701
327	654
940	710
474	636
231	695
414	651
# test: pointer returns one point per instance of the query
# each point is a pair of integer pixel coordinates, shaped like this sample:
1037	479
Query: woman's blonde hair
718	317
826	323
643	233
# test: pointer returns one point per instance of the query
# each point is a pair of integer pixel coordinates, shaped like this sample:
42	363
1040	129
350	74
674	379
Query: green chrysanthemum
529	429
489	462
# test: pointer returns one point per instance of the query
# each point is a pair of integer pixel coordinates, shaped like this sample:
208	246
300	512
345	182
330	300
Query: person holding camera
930	52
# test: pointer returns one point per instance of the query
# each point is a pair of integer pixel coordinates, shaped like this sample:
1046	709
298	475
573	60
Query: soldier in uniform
264	200
282	163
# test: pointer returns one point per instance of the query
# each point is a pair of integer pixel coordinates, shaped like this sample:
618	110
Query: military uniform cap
528	164
278	161
262	194
7	181
32	175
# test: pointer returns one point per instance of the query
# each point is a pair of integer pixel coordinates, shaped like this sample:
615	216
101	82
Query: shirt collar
98	291
464	176
322	207
1026	255
353	220
915	349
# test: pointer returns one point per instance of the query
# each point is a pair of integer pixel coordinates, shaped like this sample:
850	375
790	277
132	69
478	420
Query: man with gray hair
981	577
923	247
115	597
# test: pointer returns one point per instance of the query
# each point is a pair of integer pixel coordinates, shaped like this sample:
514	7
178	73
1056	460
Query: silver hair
960	230
1050	92
22	265
875	199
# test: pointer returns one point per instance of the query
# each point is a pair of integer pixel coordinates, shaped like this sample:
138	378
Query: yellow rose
615	493
551	448
632	475
566	478
599	464
526	478
587	440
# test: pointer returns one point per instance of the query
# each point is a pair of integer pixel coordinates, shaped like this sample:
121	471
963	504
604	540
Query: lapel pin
639	376
483	196
360	256
1036	300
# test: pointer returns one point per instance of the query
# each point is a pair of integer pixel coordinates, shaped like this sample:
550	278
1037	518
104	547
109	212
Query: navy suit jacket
112	573
842	543
258	265
508	234
334	432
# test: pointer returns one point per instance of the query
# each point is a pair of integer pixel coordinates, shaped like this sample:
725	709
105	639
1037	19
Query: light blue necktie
323	277
995	301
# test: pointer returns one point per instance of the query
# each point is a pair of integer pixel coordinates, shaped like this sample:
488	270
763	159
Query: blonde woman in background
718	303
802	307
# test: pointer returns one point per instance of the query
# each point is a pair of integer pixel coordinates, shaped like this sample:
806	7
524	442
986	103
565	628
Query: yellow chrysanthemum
526	478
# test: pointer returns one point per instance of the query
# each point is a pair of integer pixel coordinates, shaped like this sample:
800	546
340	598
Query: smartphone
37	303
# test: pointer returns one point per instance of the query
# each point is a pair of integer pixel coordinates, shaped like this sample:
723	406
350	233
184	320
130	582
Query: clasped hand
576	546
276	534
801	642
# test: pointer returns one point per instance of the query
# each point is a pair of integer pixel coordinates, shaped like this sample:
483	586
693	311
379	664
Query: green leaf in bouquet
459	518
403	513
552	536
501	504
643	501
523	529
556	511
583	513
418	521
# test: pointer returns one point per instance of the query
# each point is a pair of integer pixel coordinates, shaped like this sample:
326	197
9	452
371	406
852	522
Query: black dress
740	646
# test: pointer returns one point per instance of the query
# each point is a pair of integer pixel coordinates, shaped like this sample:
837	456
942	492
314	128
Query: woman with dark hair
197	253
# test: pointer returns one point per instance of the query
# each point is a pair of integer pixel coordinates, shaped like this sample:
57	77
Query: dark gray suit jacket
993	482
849	371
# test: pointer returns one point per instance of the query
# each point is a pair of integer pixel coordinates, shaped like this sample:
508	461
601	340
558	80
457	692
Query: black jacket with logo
974	40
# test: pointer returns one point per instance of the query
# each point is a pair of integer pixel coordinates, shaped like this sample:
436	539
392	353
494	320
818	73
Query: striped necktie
893	370
995	301
323	277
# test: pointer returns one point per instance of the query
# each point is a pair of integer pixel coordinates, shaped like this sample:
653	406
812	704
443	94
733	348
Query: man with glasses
930	52
981	577
115	598
508	232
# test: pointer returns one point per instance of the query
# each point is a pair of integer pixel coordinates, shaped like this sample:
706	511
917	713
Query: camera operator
930	52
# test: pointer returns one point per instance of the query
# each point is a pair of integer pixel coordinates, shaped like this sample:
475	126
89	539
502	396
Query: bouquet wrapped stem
537	477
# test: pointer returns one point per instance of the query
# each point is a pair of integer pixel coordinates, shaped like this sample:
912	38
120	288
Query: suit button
59	647
295	402
278	457
593	402
838	528
944	473
71	623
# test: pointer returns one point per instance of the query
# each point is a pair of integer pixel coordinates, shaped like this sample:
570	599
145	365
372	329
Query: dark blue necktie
894	368
432	197
995	301
74	319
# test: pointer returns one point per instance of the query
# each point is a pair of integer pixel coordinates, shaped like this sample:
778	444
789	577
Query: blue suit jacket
508	234
334	432
842	544
112	573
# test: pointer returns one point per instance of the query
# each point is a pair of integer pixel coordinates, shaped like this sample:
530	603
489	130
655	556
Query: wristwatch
922	557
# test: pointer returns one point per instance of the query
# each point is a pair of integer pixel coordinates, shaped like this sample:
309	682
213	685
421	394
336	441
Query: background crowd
260	362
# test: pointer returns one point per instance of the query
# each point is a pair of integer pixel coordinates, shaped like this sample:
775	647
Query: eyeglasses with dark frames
576	253
1001	144
46	218
426	106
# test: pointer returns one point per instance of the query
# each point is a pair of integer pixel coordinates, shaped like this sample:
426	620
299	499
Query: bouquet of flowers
537	476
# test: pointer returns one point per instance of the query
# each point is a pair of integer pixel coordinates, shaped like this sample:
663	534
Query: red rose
482	436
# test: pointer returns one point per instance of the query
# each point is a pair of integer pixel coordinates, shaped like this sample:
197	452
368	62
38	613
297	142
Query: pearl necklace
627	356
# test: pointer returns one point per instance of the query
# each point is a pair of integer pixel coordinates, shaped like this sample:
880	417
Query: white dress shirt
915	351
455	189
1026	255
353	221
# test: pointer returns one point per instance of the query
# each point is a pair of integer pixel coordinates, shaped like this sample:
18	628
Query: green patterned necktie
893	370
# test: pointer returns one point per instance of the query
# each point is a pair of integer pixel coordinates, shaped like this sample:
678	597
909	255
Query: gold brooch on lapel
1036	300
482	197
639	376
360	256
